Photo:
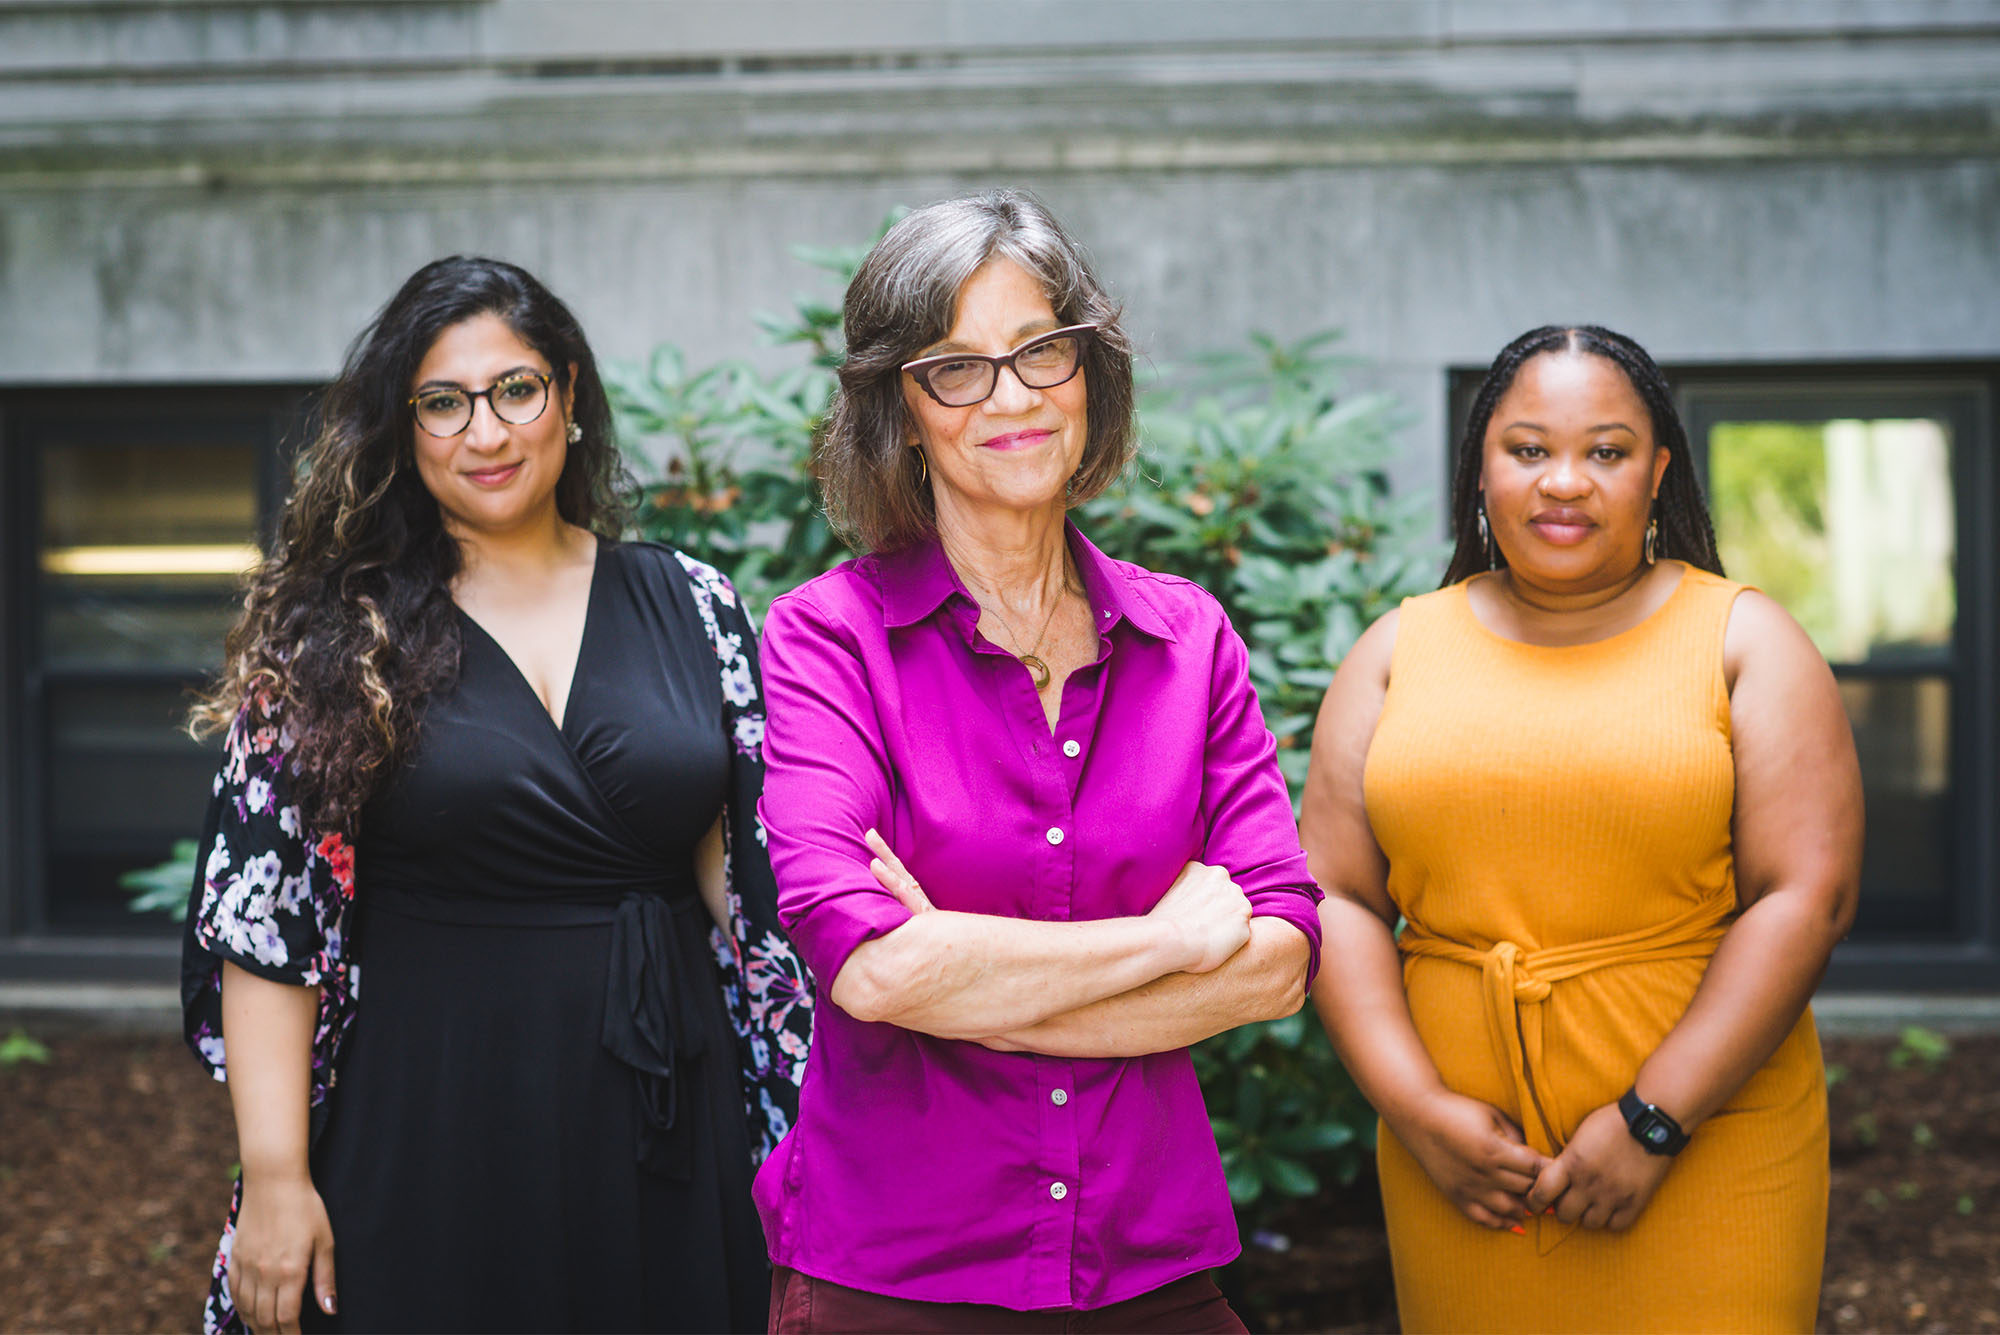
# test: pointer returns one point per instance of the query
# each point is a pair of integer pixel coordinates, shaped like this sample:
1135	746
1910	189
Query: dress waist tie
1515	983
651	1024
651	1009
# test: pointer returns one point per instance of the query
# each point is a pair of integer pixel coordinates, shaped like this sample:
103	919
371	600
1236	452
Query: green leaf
1289	1177
18	1047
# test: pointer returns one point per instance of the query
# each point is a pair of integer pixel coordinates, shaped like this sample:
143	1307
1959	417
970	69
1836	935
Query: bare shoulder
1372	654
1763	640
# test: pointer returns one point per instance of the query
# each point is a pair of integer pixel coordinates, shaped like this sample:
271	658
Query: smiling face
1569	473
1016	450
493	476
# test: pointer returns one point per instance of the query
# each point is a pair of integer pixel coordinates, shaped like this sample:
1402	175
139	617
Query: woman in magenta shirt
1086	858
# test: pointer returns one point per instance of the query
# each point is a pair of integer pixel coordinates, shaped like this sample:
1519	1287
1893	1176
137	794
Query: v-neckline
561	727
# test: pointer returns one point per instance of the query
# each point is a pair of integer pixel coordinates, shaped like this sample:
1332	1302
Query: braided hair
1686	534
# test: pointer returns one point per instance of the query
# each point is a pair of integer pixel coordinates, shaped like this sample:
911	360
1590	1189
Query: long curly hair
1686	533
347	625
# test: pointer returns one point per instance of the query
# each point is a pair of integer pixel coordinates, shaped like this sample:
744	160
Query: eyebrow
1601	426
1021	335
498	377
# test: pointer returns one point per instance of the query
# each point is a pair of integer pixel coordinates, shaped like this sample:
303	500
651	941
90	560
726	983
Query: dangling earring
1652	540
575	432
1486	539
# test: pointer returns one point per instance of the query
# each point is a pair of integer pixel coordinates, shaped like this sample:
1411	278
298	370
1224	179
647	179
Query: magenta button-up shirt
937	1169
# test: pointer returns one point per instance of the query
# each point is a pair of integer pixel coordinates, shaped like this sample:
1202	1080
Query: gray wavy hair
903	299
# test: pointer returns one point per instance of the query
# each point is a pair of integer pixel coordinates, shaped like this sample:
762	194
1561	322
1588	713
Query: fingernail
1516	1228
1550	1210
326	1304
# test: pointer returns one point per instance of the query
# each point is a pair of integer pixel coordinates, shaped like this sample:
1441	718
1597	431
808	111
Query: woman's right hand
283	1238
1211	913
1476	1156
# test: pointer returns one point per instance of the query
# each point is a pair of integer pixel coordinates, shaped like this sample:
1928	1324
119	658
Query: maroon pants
802	1305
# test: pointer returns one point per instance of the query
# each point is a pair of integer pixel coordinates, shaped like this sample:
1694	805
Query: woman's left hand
894	876
1602	1178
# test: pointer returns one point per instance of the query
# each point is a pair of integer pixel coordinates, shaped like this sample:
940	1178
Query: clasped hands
1480	1160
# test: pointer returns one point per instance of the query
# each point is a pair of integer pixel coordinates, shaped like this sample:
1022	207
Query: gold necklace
1031	660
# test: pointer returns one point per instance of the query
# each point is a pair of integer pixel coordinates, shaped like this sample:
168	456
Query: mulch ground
115	1159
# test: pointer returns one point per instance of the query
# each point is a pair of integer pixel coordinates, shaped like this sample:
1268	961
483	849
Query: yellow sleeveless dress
1557	824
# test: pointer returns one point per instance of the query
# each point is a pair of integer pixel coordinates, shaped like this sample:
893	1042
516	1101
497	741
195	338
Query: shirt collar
918	579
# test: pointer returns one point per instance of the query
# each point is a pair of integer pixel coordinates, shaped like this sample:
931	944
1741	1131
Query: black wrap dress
542	1079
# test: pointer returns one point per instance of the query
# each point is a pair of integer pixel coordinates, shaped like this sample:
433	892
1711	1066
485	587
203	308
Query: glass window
1846	506
1849	523
143	509
140	551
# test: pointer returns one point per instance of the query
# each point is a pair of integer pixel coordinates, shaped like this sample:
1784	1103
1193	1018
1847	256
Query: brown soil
115	1160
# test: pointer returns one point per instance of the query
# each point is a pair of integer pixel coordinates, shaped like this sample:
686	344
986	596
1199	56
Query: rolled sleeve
826	783
1251	831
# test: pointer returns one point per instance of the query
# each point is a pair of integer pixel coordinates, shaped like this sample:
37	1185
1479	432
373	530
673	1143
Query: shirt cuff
1300	911
828	932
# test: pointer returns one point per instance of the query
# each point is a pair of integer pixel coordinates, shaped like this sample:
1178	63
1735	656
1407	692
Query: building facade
1794	203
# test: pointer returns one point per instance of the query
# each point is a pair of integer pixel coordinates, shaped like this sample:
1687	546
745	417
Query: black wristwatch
1656	1132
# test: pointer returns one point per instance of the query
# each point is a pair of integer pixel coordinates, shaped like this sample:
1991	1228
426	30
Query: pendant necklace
1031	660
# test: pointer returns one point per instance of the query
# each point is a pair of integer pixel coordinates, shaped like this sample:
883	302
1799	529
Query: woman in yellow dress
1615	798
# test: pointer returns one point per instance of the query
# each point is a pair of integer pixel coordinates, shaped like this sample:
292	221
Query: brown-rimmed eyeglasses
517	399
961	379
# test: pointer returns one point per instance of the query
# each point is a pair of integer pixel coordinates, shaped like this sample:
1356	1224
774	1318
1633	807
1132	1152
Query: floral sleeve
269	896
765	985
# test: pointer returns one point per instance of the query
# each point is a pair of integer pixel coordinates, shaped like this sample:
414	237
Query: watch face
1654	1132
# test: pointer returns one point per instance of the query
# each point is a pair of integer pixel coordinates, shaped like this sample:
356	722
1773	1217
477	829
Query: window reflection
1848	523
1902	732
141	550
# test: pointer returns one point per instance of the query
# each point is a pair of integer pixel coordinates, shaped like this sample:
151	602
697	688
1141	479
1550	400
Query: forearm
1262	981
970	975
269	1031
1367	1014
1756	986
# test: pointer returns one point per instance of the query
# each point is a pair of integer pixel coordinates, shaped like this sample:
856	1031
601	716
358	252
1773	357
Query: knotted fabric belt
1515	983
650	1024
650	1002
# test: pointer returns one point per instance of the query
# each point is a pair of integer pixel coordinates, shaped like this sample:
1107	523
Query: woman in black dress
505	766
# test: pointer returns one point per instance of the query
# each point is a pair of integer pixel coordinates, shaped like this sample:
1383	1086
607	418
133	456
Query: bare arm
1471	1150
1262	981
282	1233
708	875
1797	844
975	976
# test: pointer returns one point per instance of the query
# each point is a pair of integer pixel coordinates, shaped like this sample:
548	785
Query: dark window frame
1968	958
273	418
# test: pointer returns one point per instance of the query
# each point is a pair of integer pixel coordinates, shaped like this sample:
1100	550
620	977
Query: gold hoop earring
1486	539
1652	540
923	466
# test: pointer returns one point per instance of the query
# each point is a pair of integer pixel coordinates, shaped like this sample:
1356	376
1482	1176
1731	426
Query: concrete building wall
225	191
218	191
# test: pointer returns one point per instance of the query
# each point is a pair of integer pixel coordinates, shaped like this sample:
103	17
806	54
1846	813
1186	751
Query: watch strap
1657	1132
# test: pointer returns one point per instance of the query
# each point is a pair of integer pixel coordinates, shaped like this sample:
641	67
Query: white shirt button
1071	749
1058	1190
1059	1097
1055	834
